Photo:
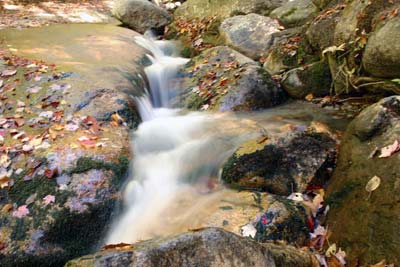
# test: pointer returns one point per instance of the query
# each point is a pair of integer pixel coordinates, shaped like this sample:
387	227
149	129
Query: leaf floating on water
120	246
373	184
389	150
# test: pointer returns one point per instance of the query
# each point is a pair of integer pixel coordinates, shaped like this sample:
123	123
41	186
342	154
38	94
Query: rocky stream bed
280	133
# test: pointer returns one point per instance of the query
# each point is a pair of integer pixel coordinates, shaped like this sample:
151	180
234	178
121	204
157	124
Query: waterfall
176	154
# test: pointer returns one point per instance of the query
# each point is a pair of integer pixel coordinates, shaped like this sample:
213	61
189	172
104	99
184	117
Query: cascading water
175	154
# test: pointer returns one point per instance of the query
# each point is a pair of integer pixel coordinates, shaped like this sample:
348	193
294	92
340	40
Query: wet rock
232	210
225	80
371	222
283	220
103	103
250	34
382	53
223	9
281	166
65	186
311	79
141	15
80	204
205	247
295	13
321	32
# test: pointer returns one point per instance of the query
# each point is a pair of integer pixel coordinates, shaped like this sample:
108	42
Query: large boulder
359	16
281	166
250	34
321	31
312	79
382	53
222	79
61	176
366	224
226	8
141	15
204	247
295	13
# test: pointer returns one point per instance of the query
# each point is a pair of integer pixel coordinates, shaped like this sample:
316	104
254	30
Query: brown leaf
120	246
7	208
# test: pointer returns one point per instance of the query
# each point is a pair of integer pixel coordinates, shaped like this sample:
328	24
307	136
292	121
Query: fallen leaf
248	230
8	73
373	184
50	173
7	208
21	212
49	199
309	97
4	182
389	150
120	246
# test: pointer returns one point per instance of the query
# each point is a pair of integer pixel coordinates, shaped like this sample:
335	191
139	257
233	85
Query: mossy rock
226	8
366	225
51	234
222	79
212	247
295	13
281	166
312	79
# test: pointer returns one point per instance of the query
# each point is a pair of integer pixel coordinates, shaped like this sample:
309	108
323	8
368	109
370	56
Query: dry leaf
21	212
7	208
120	246
373	184
389	150
49	199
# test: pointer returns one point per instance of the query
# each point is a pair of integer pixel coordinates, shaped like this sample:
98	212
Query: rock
231	210
141	15
321	4
382	53
321	32
283	220
225	80
371	222
204	247
223	9
250	34
311	79
295	13
281	166
359	16
290	50
65	190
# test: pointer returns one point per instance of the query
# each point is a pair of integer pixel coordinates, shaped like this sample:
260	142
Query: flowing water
178	155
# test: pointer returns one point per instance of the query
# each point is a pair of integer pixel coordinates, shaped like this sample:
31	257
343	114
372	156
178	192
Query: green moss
21	190
289	12
120	169
337	198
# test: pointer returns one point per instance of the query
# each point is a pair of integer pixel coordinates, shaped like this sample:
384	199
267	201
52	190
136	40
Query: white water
174	153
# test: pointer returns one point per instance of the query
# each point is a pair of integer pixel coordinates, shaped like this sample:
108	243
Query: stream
174	183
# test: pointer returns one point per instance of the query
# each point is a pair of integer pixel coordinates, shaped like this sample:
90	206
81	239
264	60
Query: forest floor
25	14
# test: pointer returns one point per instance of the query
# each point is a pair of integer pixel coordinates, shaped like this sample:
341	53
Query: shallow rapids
174	183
